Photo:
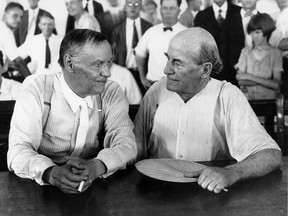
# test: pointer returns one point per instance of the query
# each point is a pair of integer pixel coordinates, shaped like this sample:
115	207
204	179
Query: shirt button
180	156
182	132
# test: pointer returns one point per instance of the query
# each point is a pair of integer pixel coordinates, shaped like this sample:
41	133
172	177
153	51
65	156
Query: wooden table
129	192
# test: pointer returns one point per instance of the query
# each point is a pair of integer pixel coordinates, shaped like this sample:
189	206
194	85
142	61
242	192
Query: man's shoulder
36	82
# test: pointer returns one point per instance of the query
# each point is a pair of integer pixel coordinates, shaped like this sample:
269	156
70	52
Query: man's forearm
259	164
142	65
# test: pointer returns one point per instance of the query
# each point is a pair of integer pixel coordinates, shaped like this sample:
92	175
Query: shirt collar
130	21
243	12
36	10
73	100
224	7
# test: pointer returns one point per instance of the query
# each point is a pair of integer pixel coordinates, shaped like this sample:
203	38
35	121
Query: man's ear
207	68
68	63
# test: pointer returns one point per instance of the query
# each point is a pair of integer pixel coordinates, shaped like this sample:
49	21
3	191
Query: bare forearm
268	83
247	83
259	164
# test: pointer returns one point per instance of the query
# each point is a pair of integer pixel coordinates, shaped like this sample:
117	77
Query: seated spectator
190	116
125	79
149	12
11	21
9	89
29	25
43	49
73	125
259	67
83	20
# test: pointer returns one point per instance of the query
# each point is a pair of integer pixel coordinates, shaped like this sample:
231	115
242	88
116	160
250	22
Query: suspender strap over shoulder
48	90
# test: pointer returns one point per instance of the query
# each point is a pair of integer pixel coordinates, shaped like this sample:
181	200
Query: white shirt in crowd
9	89
35	47
245	21
7	44
32	17
125	79
155	42
87	21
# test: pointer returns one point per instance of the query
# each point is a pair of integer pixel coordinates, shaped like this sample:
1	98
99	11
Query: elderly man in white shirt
193	117
72	127
152	45
43	49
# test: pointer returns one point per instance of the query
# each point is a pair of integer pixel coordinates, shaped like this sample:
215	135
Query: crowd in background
138	57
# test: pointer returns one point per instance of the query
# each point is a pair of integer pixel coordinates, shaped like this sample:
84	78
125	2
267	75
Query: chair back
6	111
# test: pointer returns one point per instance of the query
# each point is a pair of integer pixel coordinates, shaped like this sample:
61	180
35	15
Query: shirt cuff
40	169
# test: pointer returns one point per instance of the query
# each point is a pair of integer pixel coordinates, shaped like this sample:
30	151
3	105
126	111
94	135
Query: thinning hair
193	39
261	22
75	40
178	2
12	5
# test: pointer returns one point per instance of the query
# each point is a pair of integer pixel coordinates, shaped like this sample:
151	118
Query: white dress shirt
155	42
35	47
130	59
9	89
125	79
34	148
32	18
224	9
87	21
217	123
245	21
7	44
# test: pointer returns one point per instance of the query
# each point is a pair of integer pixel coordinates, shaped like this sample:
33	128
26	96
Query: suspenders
48	91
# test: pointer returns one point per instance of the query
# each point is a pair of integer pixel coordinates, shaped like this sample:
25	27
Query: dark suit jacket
119	40
98	11
21	32
207	20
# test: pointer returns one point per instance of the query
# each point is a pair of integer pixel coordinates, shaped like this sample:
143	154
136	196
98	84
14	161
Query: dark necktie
220	18
167	28
135	36
47	55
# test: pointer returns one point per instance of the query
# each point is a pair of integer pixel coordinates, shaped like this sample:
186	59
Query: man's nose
168	68
106	71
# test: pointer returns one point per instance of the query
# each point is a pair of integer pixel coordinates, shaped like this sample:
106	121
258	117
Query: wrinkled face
258	38
33	3
249	4
46	25
13	17
183	74
169	12
196	5
133	8
74	7
91	68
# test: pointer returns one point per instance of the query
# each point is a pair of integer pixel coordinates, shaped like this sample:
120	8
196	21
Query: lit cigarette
224	189
81	186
